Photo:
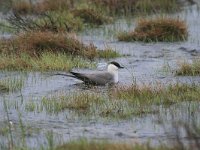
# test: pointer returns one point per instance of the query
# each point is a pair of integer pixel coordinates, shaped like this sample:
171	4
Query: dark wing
80	76
100	78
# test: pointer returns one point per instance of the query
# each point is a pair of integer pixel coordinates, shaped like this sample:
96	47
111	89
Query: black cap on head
116	64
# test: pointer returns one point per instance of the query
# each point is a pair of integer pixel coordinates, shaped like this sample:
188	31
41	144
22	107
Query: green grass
159	95
36	43
24	7
57	21
51	5
82	104
119	102
108	53
189	69
157	30
11	84
6	27
137	7
47	61
156	6
116	7
44	51
83	144
4	130
22	131
91	16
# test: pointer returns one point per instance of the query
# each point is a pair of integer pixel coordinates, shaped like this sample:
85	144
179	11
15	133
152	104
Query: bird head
114	66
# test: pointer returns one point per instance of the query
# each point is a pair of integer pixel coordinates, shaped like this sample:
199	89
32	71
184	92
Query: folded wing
100	78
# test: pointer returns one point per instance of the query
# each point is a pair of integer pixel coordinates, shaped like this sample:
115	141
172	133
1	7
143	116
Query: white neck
114	71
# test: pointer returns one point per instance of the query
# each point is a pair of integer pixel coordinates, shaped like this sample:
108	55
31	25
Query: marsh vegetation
145	110
190	69
159	29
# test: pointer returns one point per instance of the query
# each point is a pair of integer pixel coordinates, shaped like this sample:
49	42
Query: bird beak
121	67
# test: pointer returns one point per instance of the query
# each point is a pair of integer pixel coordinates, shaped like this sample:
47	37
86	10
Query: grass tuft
108	53
52	5
58	21
84	144
156	6
192	69
47	61
84	103
160	29
92	145
128	7
166	95
48	51
36	43
79	102
11	84
91	16
22	7
120	102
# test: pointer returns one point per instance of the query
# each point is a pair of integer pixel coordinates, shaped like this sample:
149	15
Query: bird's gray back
101	78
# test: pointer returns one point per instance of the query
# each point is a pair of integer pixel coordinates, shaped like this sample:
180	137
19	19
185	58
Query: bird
98	78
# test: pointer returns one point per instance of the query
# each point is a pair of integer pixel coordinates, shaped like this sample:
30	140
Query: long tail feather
62	74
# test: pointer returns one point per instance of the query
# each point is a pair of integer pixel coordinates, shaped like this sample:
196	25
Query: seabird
99	78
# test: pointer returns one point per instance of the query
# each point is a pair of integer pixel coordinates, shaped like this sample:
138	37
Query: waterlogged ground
146	63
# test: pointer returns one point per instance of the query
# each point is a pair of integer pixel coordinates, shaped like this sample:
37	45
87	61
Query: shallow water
145	64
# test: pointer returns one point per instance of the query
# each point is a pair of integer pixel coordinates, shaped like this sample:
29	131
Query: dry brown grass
55	21
25	6
108	53
22	7
116	6
52	5
160	29
121	7
186	68
161	94
91	16
36	43
94	145
47	61
80	102
156	6
59	22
